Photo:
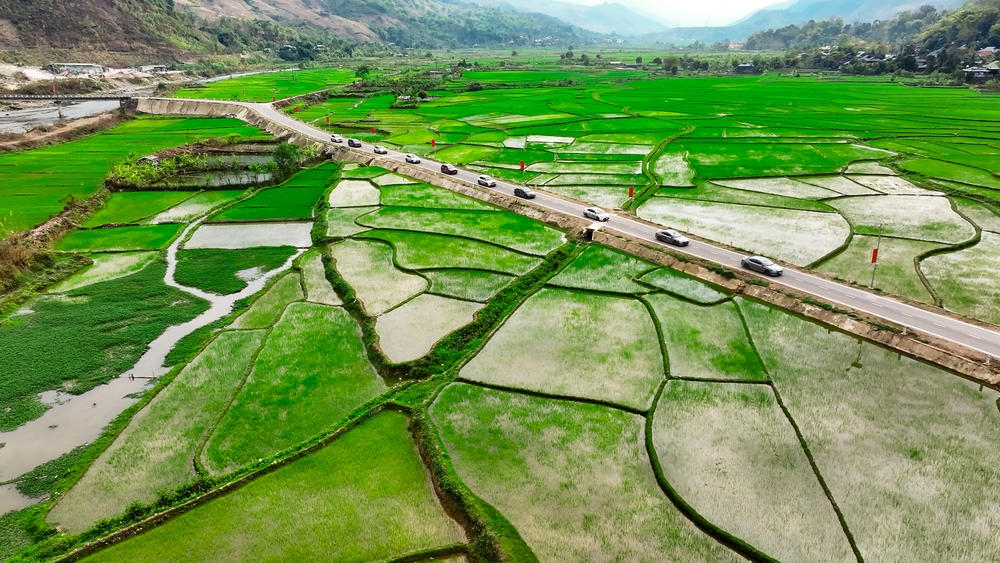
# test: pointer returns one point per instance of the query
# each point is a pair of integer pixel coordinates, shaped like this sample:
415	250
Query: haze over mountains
212	26
795	12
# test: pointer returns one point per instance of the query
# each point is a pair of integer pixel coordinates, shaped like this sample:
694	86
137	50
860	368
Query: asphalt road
948	328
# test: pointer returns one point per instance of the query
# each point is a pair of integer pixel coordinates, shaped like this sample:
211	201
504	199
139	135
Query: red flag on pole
875	256
373	130
432	142
53	87
631	191
522	166
328	120
296	109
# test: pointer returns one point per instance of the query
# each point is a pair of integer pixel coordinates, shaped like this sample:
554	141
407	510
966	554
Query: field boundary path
983	342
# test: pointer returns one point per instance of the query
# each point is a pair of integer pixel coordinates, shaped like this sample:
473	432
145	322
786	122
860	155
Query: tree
569	54
638	60
585	60
513	53
286	157
363	72
657	61
422	94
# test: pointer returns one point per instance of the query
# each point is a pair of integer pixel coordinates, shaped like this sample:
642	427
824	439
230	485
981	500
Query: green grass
464	154
953	172
575	344
145	237
409	332
896	274
41	481
498	227
108	267
36	182
364	173
312	371
426	195
966	280
908	450
705	342
921	218
354	193
420	251
318	288
341	222
573	478
365	497
217	271
709	191
600	268
474	285
367	267
729	452
130	207
264	87
683	285
266	310
156	450
84	338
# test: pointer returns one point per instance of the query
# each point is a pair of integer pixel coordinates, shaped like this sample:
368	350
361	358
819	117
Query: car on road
336	138
379	149
672	237
524	192
487	181
762	265
449	169
354	143
412	159
596	213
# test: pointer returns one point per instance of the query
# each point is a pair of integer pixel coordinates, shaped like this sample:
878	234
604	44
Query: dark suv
524	192
354	143
449	169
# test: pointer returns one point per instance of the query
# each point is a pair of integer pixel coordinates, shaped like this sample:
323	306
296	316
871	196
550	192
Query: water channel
75	420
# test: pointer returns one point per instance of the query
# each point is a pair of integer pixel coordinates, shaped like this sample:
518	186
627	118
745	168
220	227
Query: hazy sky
691	12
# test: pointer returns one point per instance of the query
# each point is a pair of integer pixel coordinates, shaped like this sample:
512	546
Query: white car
412	159
596	213
487	181
379	149
762	265
336	138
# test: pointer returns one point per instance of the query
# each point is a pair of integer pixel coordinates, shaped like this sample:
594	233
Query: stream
75	420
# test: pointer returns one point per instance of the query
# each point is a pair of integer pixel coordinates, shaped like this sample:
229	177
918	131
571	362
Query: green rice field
36	183
264	87
435	378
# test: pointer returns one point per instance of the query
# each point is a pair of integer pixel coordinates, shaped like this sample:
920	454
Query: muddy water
75	420
19	121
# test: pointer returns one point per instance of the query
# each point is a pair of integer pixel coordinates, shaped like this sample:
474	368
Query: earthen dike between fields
957	344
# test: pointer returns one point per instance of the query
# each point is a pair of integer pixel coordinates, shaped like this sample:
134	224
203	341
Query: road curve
942	326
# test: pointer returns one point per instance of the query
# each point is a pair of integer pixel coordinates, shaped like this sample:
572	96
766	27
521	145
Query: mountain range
796	12
610	18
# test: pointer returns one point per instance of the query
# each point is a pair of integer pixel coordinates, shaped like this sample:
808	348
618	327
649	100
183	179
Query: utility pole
878	245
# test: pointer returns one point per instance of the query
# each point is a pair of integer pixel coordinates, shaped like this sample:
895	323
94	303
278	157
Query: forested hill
976	24
187	26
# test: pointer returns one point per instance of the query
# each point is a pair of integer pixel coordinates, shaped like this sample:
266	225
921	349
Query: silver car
762	265
336	138
596	213
487	181
412	159
672	237
379	149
